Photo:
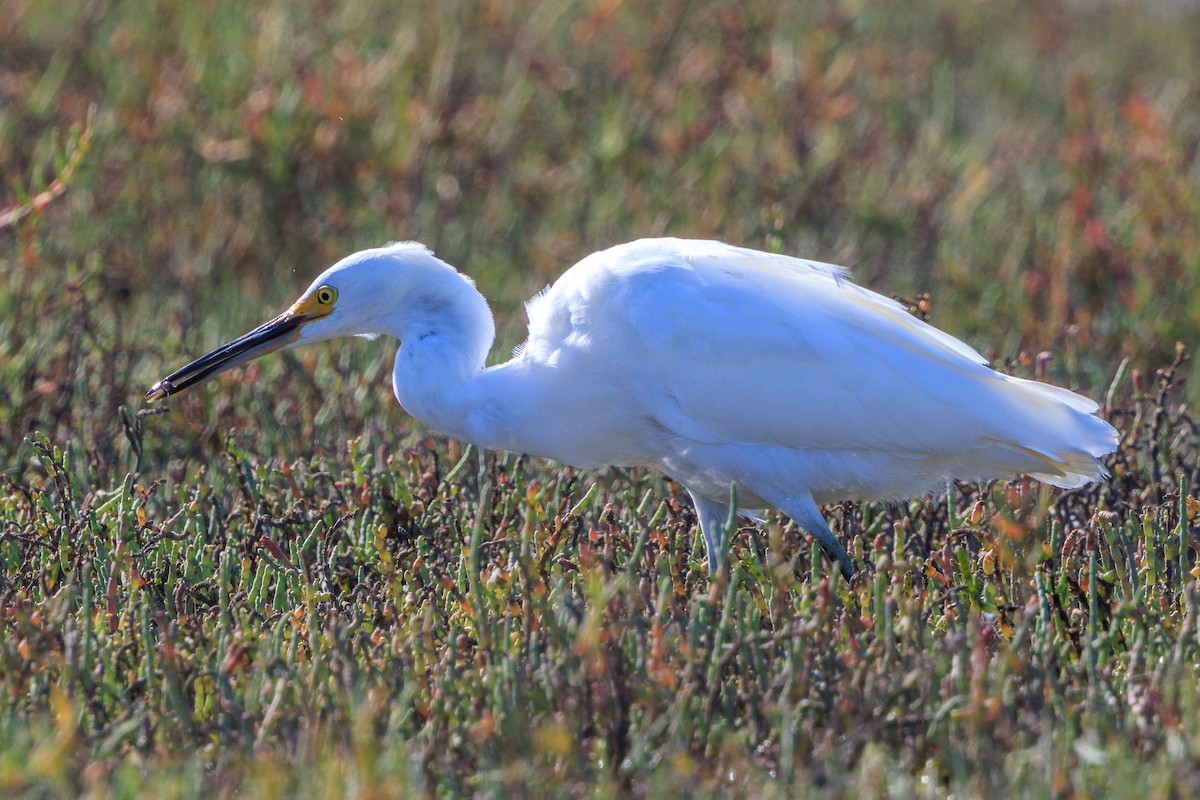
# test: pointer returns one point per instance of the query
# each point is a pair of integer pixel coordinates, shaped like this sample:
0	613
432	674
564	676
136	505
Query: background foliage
279	584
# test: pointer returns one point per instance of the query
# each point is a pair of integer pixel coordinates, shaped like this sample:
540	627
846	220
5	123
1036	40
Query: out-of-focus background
173	172
1031	165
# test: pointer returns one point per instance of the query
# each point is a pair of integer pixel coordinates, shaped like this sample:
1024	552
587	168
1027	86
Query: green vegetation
279	586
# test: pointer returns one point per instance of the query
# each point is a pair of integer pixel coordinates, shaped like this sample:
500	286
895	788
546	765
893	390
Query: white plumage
717	364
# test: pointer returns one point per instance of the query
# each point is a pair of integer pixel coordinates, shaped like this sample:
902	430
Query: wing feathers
723	345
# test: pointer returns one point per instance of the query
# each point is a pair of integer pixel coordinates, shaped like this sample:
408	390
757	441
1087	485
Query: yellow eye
326	295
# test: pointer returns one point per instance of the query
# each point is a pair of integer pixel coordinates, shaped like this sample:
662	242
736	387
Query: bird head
370	292
295	326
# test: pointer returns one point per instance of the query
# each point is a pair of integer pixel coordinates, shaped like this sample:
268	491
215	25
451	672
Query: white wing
726	346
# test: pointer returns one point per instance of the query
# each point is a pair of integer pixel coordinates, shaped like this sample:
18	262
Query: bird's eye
326	295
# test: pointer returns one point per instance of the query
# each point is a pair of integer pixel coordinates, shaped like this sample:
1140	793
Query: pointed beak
266	338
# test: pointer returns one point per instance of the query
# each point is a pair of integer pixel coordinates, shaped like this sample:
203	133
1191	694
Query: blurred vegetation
279	585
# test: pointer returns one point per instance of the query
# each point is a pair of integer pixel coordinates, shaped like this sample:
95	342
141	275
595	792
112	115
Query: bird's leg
714	518
806	514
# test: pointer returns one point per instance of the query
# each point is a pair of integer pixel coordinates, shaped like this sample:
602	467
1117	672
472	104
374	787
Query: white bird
720	365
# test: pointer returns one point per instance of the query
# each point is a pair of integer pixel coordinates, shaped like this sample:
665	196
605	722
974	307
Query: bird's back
726	352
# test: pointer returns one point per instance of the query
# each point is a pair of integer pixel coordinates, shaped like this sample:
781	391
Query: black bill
264	339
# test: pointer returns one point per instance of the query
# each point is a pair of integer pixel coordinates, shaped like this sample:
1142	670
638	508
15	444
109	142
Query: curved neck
445	335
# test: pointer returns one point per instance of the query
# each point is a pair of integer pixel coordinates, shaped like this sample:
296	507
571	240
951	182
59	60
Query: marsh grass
393	620
279	586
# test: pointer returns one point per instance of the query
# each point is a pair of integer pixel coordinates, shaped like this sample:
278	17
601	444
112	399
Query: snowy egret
722	366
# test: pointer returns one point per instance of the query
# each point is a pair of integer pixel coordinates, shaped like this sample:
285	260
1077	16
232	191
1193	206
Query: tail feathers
1056	394
1078	475
1058	433
1068	470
